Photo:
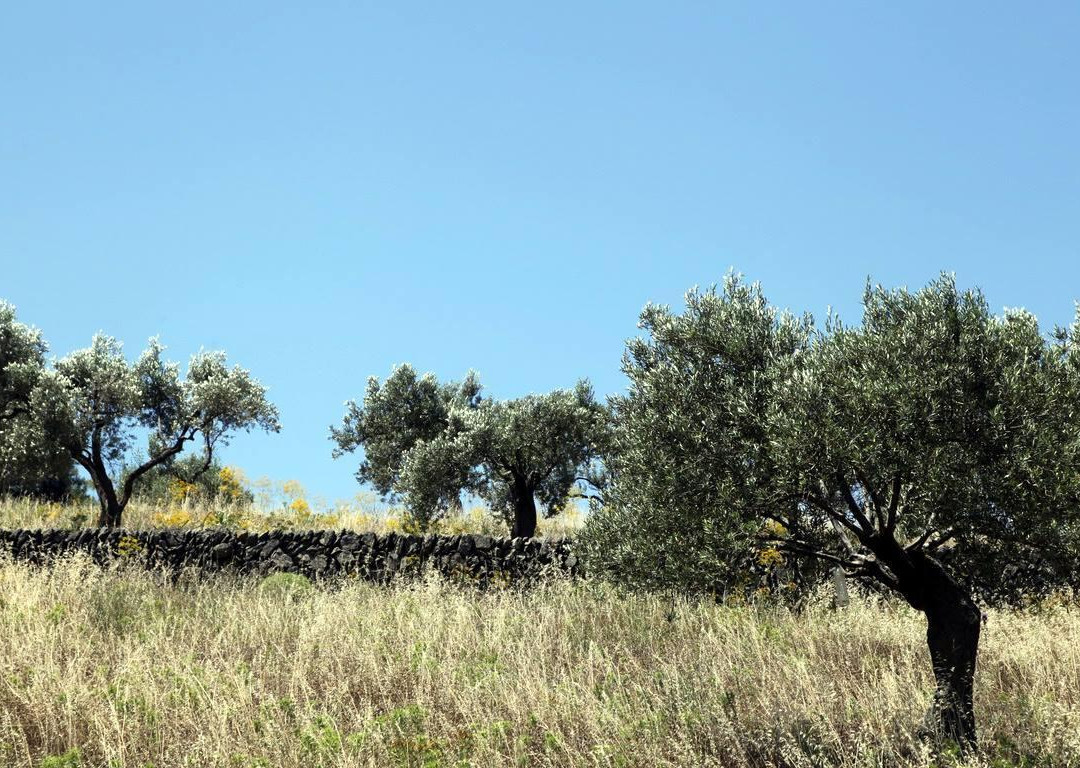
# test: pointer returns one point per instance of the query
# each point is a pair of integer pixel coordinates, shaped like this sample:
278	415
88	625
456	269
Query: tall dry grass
121	668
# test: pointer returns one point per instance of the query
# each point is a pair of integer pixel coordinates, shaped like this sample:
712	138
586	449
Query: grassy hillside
117	668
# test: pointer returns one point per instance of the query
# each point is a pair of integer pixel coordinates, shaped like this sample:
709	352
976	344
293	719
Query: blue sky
327	189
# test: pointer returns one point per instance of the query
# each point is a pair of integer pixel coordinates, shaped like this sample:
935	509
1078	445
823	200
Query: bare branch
873	569
917	544
796	548
821	503
924	540
842	536
161	458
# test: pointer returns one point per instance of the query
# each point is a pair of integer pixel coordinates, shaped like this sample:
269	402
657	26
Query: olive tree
393	417
93	403
428	443
900	450
32	465
29	463
535	448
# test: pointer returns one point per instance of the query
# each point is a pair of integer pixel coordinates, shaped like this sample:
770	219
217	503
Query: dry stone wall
317	554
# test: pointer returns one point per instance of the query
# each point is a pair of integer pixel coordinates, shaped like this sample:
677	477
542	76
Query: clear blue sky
327	189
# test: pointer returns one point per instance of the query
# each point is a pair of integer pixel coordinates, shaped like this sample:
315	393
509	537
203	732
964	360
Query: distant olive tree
902	450
427	443
93	401
393	417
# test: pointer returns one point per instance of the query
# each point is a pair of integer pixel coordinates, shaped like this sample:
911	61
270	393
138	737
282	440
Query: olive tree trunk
952	634
111	511
524	510
953	621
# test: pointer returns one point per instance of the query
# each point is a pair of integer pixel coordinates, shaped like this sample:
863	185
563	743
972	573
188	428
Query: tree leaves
428	443
739	415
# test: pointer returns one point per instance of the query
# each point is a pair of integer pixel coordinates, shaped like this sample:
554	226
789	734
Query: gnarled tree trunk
953	621
952	634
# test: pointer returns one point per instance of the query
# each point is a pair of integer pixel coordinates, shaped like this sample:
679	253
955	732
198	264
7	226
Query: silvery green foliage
29	463
428	443
92	400
689	439
22	357
539	446
435	471
393	417
934	425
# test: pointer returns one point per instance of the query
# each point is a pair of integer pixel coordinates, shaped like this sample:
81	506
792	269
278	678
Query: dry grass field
121	668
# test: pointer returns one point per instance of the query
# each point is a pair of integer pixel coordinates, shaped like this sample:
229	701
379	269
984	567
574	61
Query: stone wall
317	554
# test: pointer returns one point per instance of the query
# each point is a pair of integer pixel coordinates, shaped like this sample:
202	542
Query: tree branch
799	549
853	505
944	537
841	535
875	500
917	544
873	569
161	458
821	503
894	503
921	542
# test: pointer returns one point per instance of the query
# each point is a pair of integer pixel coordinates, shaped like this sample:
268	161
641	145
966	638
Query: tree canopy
29	463
427	443
22	357
903	450
93	401
393	417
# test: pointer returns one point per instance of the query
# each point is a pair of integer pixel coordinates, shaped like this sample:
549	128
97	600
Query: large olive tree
901	449
94	402
428	443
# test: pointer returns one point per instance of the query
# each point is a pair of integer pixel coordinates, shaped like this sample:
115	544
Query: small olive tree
93	401
902	450
428	443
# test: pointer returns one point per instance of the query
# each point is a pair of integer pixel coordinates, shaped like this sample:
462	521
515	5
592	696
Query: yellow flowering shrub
232	484
173	517
300	509
771	557
180	490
